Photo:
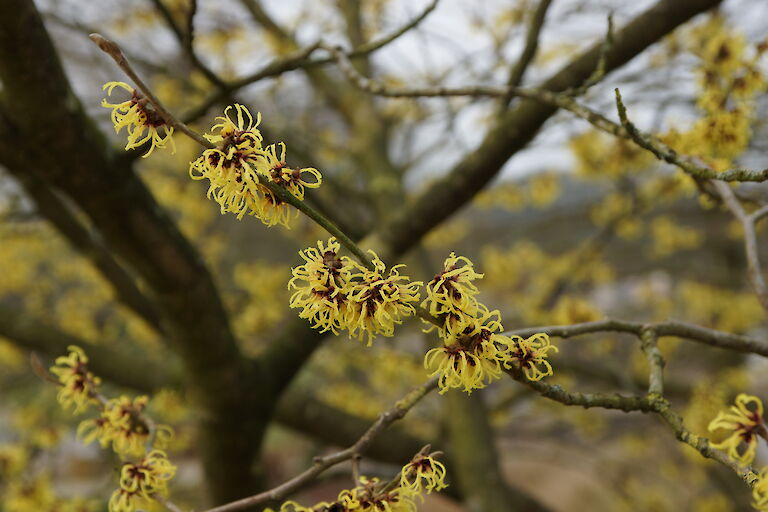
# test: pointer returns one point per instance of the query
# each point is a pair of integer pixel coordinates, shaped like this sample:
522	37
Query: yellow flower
368	498
423	473
451	294
121	423
530	354
141	482
471	359
321	286
129	432
269	208
95	429
149	476
13	459
126	501
28	495
379	299
139	119
746	423
234	169
243	134
275	167
78	385
292	506
760	491
231	167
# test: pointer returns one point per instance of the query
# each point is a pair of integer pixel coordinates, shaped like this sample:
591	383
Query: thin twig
754	269
113	50
300	59
652	403
669	155
531	46
398	411
602	61
649	343
167	503
712	337
560	100
700	444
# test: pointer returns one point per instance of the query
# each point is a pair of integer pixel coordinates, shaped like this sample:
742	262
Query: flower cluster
422	474
369	496
474	352
746	424
471	359
78	385
335	293
122	424
141	482
238	168
139	119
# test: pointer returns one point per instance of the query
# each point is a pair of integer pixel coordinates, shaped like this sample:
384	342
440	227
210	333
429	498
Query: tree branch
747	221
398	411
712	337
529	50
50	206
515	129
117	365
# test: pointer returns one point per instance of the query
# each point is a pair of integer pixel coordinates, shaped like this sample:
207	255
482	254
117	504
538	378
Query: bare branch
712	337
747	221
113	50
398	411
55	209
667	154
650	403
300	60
649	344
529	50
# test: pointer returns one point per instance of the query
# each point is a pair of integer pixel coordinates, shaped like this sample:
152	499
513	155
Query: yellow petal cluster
379	300
423	473
335	293
78	385
471	359
142	482
139	119
121	424
744	421
369	496
239	164
474	351
321	286
530	355
451	294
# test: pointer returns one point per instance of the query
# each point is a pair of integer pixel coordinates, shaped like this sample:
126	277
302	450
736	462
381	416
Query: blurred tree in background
488	129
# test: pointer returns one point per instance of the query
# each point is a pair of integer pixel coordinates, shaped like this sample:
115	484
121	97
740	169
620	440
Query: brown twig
712	337
747	221
531	46
560	100
398	411
113	50
653	403
649	343
300	59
